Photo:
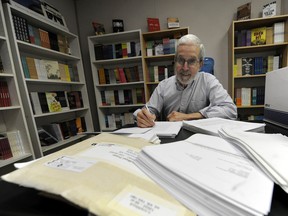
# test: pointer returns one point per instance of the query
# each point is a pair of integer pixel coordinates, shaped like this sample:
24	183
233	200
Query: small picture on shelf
98	28
173	22
53	14
269	9
118	25
244	12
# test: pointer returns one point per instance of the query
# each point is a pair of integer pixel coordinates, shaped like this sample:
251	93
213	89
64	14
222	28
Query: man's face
187	63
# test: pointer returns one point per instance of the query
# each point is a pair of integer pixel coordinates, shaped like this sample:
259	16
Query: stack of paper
208	175
269	151
212	125
162	129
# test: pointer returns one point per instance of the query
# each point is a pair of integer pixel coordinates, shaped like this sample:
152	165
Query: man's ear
201	63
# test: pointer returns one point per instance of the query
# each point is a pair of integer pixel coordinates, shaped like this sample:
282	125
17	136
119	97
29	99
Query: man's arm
177	116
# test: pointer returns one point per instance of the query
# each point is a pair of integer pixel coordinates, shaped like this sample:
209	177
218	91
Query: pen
148	109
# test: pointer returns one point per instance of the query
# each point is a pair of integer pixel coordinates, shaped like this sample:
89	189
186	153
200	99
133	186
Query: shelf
258	57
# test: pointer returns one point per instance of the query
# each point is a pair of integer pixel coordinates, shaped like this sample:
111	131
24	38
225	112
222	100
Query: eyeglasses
190	62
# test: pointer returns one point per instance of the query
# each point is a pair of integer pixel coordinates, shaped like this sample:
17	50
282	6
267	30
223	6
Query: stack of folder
209	176
268	151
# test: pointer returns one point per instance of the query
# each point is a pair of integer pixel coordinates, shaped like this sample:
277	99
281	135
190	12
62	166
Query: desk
19	201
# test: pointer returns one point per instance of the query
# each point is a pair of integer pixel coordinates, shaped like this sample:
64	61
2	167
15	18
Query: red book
153	24
122	75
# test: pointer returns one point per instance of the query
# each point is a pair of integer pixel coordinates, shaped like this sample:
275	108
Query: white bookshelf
27	85
12	118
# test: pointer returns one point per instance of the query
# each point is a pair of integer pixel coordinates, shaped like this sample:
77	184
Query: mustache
184	72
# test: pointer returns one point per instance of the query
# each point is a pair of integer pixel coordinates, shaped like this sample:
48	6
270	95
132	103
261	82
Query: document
99	174
166	129
163	129
269	152
209	175
212	125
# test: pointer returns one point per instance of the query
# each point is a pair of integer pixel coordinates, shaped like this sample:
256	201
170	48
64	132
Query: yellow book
258	36
53	102
67	73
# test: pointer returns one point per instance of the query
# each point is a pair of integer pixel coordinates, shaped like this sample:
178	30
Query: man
189	94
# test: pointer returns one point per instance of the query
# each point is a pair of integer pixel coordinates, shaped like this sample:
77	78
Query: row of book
44	69
158	73
260	36
161	47
31	34
118	50
56	101
55	132
120	75
252	118
123	97
118	120
250	96
5	99
11	145
256	65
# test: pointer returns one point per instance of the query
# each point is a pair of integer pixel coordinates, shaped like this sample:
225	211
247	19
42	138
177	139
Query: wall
210	20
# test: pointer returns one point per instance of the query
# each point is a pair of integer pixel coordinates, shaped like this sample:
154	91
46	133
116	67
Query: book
5	99
279	32
55	130
53	102
212	125
153	24
46	138
258	36
5	148
244	12
21	28
247	66
52	69
44	38
36	105
111	157
269	9
204	172
31	67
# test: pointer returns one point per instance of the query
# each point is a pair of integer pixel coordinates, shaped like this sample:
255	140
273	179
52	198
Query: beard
184	77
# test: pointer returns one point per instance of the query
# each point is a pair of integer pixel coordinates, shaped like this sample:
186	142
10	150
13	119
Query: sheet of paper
212	125
132	130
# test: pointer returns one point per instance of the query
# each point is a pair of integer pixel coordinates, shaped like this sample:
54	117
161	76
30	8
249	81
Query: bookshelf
12	117
249	63
64	50
117	68
158	54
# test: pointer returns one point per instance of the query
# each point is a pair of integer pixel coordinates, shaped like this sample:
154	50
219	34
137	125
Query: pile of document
208	175
162	129
268	151
212	125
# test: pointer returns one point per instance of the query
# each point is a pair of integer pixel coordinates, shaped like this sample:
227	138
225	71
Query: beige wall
209	19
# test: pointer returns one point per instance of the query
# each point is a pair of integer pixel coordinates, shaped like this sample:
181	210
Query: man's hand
177	116
145	118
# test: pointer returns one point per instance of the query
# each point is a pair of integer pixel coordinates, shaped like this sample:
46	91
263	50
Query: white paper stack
209	176
212	125
269	152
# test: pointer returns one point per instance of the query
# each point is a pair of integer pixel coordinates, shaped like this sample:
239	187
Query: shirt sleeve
221	104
